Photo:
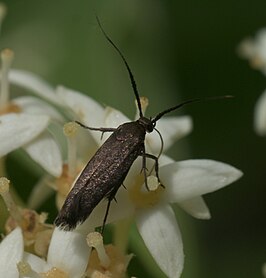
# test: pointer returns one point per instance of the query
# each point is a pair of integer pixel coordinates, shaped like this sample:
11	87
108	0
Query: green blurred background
177	50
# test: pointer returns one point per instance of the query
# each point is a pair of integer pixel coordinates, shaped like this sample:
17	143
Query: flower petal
69	252
112	119
191	178
33	83
196	207
45	151
32	105
171	129
260	115
90	112
11	251
21	128
161	234
37	264
86	108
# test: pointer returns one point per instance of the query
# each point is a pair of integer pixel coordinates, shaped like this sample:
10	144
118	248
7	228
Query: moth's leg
110	197
106	214
102	129
156	167
144	168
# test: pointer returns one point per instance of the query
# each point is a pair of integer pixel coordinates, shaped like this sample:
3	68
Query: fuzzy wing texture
103	175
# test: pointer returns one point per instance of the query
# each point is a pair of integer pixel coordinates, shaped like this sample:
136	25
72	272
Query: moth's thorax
148	124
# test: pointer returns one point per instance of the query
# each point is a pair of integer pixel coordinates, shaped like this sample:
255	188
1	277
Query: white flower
264	270
260	115
11	252
26	119
68	255
184	182
255	50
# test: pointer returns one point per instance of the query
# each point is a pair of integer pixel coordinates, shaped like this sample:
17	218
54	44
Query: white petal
171	129
164	160
260	115
260	44
264	270
191	178
45	151
86	108
32	105
196	207
69	252
33	83
18	129
89	112
11	251
36	263
112	119
161	234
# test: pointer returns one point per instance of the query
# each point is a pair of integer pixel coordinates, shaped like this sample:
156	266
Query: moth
107	169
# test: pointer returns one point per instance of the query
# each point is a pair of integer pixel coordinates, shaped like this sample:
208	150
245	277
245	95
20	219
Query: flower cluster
255	51
33	248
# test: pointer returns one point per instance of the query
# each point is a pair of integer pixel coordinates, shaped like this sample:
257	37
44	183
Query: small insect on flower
107	169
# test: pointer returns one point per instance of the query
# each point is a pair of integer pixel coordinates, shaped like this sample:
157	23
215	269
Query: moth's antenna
132	80
156	118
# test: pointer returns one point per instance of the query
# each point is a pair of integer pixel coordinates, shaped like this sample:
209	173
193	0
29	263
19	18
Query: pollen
54	272
145	199
70	129
25	269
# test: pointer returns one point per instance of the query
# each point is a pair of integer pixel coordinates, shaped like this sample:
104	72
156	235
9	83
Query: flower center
25	270
10	108
54	273
145	199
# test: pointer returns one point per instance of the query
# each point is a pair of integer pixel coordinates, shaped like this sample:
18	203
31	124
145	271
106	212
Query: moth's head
148	124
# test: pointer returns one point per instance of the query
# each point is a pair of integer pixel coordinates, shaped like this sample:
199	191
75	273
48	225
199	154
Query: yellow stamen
3	11
10	204
117	267
152	183
145	199
95	240
7	56
144	102
70	131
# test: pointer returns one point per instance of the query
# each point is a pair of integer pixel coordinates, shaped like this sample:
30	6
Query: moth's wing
102	176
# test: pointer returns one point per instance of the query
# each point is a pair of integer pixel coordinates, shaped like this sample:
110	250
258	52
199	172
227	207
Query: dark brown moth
107	169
